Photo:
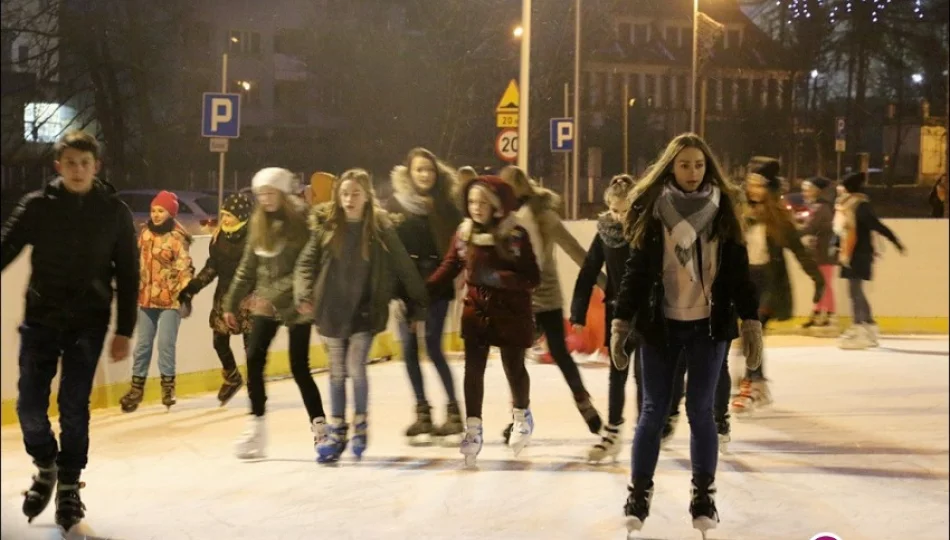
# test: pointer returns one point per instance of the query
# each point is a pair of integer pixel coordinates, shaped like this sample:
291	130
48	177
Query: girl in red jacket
500	272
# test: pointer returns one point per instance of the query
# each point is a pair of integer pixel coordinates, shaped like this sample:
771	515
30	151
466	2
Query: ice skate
37	498
590	414
702	504
168	391
472	442
812	321
451	432
637	508
826	326
69	507
252	443
231	385
318	426
420	432
506	433
131	400
753	395
522	428
332	447
609	445
724	430
669	430
873	334
856	338
359	435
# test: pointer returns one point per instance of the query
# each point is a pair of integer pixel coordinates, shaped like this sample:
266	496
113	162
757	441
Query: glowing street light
917	78
518	32
814	74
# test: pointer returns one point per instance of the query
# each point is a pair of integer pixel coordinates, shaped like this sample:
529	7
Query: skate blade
633	525
424	439
517	448
249	456
703	524
470	462
78	531
451	441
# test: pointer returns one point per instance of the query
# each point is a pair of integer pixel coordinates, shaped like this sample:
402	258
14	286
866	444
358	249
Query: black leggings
476	360
263	330
551	324
222	346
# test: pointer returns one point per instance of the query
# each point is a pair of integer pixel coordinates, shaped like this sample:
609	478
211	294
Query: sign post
840	145
220	121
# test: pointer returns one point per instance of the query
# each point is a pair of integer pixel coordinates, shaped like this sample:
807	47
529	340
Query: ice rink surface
855	444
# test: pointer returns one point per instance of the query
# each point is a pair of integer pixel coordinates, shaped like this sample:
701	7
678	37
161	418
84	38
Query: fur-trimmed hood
446	178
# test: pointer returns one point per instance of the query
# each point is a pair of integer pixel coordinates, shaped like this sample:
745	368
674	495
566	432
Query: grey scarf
686	216
610	231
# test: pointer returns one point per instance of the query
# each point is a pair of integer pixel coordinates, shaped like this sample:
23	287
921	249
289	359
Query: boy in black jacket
82	238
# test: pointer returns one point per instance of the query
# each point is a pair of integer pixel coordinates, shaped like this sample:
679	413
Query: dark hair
77	140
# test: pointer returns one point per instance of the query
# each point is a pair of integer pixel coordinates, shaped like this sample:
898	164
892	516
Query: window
244	42
641	33
138	203
209	205
22	55
624	33
733	39
289	41
46	122
672	36
686	37
250	91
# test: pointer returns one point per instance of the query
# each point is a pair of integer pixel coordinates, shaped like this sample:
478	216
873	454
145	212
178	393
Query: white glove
619	332
751	331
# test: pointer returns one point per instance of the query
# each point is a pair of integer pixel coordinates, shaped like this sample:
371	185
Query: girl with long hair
345	277
277	232
424	200
537	214
685	284
500	272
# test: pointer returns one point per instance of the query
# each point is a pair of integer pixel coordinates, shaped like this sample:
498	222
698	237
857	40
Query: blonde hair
644	194
337	219
619	188
262	230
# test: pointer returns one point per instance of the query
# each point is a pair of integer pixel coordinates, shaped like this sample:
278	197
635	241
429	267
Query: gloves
619	332
184	308
187	292
751	331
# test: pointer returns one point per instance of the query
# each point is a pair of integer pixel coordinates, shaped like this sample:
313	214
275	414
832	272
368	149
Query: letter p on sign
562	134
221	112
221	115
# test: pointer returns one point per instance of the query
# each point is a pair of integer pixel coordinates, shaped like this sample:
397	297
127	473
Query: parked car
197	212
795	202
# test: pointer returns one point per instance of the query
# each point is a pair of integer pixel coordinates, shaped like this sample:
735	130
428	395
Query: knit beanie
819	182
766	175
168	201
238	205
854	183
277	178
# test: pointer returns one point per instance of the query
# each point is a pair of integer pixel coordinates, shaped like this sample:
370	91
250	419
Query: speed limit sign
506	145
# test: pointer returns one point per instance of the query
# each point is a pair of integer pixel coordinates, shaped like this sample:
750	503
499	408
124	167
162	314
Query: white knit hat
277	178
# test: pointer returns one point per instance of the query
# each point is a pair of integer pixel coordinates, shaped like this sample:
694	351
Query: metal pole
567	155
702	106
524	86
838	167
626	123
692	92
575	166
224	89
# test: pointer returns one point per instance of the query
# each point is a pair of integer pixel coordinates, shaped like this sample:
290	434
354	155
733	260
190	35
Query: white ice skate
609	445
873	334
523	427
253	442
319	429
856	338
472	442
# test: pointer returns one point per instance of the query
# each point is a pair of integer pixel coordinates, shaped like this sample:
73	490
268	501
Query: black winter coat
610	248
224	257
862	259
80	243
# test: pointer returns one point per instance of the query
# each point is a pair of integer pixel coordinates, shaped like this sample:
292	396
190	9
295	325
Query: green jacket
269	278
389	264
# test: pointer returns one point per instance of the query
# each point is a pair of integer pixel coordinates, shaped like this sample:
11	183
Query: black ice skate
37	498
638	504
702	504
450	433
231	385
131	400
69	507
420	432
168	391
724	429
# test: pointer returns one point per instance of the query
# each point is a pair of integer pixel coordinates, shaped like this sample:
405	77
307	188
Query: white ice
855	444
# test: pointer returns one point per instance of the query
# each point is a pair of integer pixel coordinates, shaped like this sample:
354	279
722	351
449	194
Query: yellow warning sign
510	99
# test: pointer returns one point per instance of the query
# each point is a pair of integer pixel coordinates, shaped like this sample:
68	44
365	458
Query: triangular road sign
510	99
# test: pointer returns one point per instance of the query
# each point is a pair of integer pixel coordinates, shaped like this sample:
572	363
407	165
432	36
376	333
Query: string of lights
835	10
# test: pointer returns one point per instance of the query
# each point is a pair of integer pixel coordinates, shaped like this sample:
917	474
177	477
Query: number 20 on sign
506	145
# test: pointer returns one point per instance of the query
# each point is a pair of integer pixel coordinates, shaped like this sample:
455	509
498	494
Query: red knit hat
168	201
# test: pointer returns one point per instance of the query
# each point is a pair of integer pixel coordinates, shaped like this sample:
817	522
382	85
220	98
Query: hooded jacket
425	225
165	266
80	244
500	273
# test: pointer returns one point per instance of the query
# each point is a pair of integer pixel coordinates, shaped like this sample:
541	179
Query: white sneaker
253	442
472	442
521	430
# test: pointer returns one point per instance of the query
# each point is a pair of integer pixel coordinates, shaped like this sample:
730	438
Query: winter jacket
497	303
817	233
641	294
855	220
609	246
425	225
164	266
539	214
80	243
776	298
224	256
389	264
270	276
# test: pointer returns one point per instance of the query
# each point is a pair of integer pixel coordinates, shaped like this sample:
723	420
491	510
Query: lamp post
524	84
692	93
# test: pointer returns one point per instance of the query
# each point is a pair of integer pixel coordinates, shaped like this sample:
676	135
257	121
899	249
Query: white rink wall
915	285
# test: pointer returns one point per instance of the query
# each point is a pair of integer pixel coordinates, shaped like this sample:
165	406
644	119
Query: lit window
46	122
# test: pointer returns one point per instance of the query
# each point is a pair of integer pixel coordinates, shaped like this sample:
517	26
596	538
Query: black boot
131	400
702	504
69	507
38	496
232	383
638	503
420	432
168	390
453	422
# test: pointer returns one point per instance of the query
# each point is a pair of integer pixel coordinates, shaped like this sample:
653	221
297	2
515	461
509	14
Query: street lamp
917	78
692	108
518	32
524	84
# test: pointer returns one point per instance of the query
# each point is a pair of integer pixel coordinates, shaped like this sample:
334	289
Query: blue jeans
348	359
151	322
435	323
40	351
703	358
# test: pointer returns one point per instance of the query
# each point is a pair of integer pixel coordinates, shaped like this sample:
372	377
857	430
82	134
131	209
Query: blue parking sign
562	134
221	115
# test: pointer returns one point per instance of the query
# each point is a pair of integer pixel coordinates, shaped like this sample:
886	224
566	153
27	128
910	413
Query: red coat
497	302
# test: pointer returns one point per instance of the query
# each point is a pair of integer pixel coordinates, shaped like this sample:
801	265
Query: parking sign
562	134
221	115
